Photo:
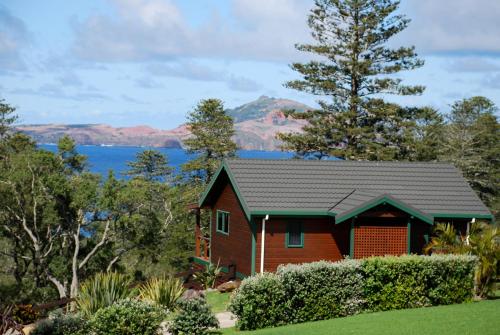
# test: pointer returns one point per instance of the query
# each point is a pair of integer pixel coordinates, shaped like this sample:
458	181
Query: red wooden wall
237	246
323	240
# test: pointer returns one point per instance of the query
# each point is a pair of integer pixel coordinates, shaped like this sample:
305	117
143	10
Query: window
222	222
294	235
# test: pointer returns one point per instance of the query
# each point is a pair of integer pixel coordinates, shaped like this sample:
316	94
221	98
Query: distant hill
262	106
256	124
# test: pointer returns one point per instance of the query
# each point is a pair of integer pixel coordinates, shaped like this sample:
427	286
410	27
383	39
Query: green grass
480	318
218	301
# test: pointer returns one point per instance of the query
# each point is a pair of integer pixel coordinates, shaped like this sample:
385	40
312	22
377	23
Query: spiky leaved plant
101	291
162	292
208	277
483	242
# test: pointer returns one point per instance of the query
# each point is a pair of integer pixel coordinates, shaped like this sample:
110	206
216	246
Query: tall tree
8	117
472	143
150	165
351	37
212	130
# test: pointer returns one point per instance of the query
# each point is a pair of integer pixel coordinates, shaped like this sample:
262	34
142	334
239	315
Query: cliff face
256	125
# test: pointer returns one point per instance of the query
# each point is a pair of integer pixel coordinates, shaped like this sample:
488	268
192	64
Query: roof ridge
341	161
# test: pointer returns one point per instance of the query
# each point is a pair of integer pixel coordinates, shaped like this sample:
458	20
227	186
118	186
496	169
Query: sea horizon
102	158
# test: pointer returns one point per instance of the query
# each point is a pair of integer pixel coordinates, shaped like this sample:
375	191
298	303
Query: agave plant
102	290
162	292
208	277
483	242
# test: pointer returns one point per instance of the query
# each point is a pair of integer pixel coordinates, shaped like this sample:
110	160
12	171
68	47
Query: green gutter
234	185
293	213
462	216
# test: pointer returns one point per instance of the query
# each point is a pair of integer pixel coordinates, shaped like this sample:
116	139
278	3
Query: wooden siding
323	240
376	237
236	247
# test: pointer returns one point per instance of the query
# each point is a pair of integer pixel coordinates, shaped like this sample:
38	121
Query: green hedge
323	290
417	281
260	302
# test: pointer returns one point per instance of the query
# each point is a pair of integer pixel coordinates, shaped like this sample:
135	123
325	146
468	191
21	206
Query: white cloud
157	30
453	26
195	71
13	36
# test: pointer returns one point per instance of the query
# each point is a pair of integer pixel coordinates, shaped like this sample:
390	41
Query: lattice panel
379	241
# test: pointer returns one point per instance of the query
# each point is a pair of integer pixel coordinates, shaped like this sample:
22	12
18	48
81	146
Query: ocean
104	158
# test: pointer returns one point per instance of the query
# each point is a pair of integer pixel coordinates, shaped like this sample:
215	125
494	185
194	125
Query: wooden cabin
270	212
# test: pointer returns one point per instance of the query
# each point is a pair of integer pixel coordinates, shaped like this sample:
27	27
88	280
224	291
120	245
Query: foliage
102	290
128	317
314	295
194	318
7	323
208	277
211	141
356	64
483	242
62	324
25	314
8	117
163	292
416	281
472	143
61	224
260	302
150	165
322	290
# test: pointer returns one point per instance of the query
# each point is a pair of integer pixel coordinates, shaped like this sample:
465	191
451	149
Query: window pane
226	222
219	221
294	234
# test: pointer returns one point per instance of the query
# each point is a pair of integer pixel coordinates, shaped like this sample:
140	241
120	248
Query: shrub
101	291
417	281
194	318
128	317
260	302
62	324
322	290
25	314
163	292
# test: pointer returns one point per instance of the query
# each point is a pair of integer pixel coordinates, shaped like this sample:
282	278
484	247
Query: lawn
218	301
470	318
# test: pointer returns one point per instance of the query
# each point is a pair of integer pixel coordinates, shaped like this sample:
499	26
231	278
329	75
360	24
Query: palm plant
483	242
102	290
446	240
163	292
208	277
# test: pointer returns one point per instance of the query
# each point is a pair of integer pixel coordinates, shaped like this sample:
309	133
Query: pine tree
150	165
356	70
8	117
212	131
472	143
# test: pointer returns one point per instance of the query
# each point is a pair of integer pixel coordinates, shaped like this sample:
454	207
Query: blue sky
130	62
